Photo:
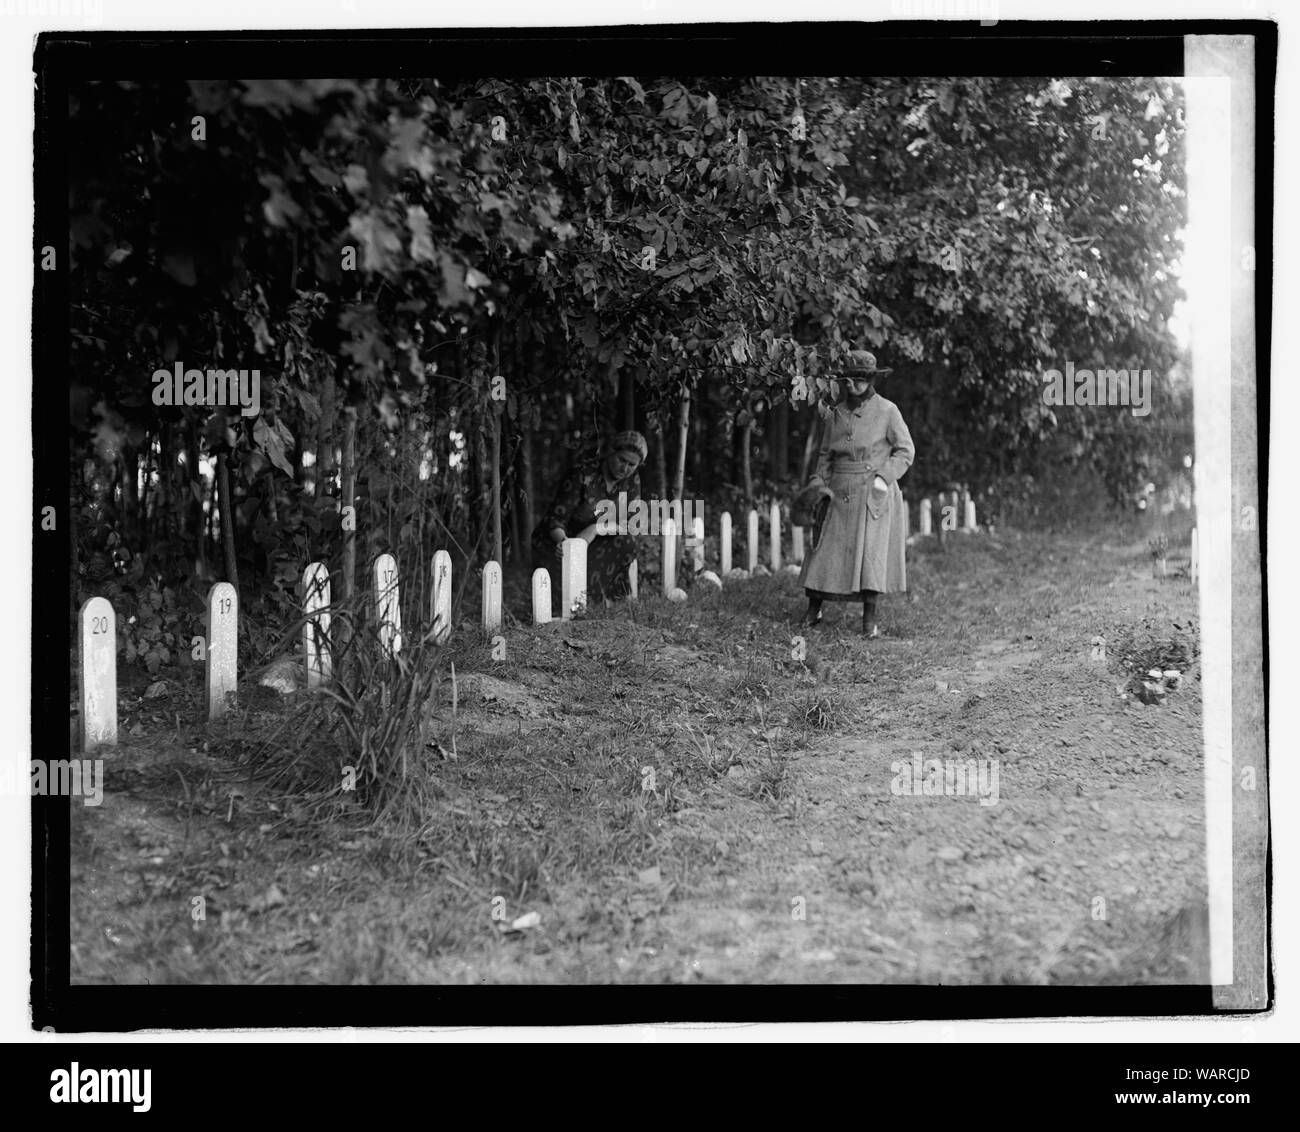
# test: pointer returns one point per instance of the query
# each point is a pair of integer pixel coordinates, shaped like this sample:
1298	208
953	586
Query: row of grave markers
97	645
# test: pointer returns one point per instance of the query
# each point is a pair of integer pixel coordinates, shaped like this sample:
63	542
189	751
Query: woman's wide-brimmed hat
805	505
863	362
629	441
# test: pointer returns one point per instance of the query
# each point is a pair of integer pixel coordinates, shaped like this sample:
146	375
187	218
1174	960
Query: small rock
156	689
712	578
526	921
677	594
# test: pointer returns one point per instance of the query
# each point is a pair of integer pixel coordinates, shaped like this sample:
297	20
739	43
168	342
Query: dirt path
774	844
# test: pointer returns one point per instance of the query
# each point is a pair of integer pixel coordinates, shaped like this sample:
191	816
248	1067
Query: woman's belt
851	467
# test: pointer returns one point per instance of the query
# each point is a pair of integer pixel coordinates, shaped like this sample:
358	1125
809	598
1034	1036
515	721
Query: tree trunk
526	478
227	506
660	458
494	413
778	446
130	497
348	502
194	503
747	472
683	432
627	397
324	469
810	447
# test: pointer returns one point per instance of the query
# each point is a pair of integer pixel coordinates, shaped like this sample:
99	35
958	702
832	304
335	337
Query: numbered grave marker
97	661
774	537
752	548
223	647
573	577
697	550
491	597
926	523
670	557
541	596
726	543
387	608
316	630
441	606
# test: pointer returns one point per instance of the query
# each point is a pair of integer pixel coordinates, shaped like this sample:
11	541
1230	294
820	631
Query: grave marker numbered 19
223	647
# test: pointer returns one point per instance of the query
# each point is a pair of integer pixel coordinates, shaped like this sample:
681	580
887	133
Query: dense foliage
690	257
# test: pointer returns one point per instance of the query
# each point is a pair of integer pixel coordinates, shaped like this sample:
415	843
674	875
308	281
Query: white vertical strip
1208	281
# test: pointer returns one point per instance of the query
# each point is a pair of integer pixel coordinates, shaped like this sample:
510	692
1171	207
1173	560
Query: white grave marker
796	544
970	513
633	578
97	656
387	607
670	557
541	596
491	597
573	577
726	543
774	536
753	541
441	597
223	647
316	630
926	527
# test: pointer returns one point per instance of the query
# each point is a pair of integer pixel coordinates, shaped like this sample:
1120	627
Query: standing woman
573	514
860	550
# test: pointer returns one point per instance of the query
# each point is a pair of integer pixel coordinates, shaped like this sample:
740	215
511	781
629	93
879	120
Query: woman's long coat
863	540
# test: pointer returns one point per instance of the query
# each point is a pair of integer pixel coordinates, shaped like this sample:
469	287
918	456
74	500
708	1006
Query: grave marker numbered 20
97	649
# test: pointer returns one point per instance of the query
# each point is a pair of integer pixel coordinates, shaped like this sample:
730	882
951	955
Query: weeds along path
666	792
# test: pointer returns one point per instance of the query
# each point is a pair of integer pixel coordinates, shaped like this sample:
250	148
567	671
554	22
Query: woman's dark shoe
812	616
870	630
